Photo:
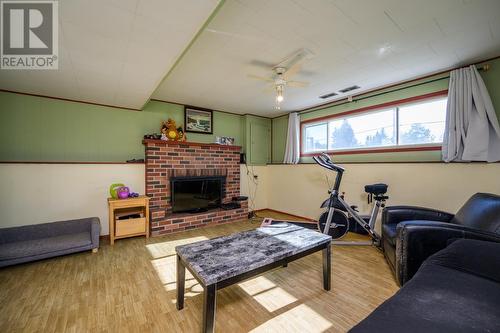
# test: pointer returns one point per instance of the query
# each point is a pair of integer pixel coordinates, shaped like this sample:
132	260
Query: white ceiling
114	52
370	43
118	51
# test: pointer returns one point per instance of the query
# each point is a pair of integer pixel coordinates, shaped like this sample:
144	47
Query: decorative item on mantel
170	131
154	136
224	140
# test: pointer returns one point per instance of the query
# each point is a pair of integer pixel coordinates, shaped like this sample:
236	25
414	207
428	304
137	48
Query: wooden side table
130	227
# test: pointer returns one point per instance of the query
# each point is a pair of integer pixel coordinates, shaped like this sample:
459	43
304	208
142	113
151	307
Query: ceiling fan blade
292	71
262	78
260	63
297	84
270	89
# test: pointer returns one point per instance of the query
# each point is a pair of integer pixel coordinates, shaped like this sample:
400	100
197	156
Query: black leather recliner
412	234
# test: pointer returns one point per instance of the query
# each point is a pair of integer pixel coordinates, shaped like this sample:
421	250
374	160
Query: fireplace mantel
188	143
165	159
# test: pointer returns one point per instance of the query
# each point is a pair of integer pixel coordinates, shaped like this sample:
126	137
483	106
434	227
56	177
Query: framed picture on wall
198	120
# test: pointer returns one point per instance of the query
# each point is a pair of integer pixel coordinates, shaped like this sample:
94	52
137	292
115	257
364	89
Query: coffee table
223	261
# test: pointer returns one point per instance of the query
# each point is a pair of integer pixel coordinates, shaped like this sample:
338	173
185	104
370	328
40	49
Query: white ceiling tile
177	12
128	5
365	42
460	19
97	18
412	15
115	51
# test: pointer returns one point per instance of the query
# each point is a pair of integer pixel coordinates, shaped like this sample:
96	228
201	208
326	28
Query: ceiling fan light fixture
283	72
279	93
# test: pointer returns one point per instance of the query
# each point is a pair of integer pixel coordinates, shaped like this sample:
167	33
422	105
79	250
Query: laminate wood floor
130	287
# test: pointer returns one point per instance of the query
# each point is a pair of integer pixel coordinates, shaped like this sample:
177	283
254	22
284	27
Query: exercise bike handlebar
326	162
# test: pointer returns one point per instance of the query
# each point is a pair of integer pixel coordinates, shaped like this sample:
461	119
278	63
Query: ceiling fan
283	72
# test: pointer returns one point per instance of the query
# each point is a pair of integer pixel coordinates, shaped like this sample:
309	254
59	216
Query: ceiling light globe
279	98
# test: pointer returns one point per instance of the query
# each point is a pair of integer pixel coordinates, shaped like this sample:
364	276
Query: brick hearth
165	158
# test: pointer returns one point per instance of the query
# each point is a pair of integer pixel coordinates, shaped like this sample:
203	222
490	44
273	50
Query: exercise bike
339	216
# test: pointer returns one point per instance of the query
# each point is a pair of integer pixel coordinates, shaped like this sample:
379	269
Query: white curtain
472	131
292	150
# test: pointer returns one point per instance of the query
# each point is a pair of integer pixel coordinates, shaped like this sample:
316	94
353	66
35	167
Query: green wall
492	81
280	129
257	139
429	85
45	129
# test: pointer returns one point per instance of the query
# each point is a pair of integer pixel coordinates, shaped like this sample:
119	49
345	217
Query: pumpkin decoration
169	131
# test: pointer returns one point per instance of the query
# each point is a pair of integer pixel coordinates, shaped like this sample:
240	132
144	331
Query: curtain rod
484	68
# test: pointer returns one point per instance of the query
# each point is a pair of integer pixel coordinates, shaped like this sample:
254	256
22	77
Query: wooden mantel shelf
147	142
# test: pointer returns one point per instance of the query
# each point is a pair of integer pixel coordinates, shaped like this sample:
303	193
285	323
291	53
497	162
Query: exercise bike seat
376	189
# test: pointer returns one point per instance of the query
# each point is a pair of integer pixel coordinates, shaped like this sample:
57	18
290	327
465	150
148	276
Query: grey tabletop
221	258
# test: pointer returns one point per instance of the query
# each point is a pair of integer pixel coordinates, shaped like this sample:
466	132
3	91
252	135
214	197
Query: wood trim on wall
124	107
391	162
215	110
193	106
379	106
69	100
65	162
375	151
104	239
306	219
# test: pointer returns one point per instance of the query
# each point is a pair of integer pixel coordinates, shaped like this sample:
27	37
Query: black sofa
411	234
455	290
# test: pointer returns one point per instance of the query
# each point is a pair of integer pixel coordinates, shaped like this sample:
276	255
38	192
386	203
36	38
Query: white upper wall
38	193
300	189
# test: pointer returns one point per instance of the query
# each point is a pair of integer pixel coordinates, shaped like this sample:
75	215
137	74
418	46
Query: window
316	137
422	123
374	129
401	125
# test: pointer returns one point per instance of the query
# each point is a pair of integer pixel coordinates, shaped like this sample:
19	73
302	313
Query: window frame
374	108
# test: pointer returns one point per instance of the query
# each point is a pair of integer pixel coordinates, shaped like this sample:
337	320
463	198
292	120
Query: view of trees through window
411	124
365	130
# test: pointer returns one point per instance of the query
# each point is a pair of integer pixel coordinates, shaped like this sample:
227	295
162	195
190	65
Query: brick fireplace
165	159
